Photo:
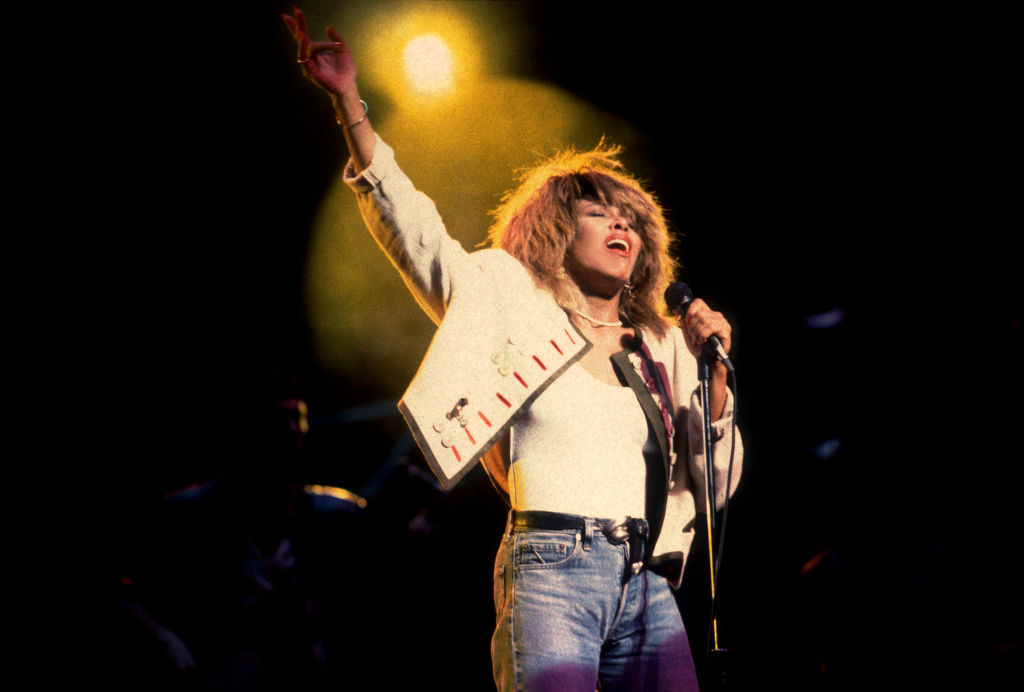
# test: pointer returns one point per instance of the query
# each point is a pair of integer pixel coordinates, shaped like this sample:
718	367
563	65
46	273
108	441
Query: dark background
852	160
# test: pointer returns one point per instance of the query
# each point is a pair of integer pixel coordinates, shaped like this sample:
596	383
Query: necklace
596	322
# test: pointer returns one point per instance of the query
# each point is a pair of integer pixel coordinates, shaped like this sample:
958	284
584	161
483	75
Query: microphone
678	297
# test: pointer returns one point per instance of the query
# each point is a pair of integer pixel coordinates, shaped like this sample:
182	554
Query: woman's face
606	248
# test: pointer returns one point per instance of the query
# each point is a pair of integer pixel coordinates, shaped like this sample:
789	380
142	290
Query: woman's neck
600	308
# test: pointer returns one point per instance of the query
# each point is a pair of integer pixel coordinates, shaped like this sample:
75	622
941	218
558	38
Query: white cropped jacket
502	340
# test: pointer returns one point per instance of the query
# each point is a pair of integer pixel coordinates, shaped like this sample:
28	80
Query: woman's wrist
719	390
351	113
348	107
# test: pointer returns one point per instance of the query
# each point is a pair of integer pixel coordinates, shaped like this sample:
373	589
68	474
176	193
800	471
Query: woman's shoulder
672	338
499	261
670	347
512	279
493	256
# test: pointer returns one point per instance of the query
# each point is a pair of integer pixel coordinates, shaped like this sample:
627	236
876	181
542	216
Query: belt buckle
617	530
633	531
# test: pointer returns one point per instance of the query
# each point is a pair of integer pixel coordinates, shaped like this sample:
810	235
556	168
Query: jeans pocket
545	549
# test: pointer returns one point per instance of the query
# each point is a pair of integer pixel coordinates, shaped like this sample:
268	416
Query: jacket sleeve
407	226
722	435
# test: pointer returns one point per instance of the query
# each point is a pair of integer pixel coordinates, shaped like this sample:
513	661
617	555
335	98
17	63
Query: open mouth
619	246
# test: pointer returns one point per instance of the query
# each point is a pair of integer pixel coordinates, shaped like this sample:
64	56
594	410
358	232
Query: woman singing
553	366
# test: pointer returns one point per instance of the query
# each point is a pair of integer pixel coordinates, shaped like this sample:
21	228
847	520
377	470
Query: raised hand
328	64
700	322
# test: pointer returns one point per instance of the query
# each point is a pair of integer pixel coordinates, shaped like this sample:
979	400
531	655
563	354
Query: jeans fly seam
623	592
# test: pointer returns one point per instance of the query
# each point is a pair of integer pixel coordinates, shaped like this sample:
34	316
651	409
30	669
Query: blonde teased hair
536	224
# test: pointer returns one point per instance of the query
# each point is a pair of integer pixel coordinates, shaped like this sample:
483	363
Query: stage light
428	64
430	51
443	89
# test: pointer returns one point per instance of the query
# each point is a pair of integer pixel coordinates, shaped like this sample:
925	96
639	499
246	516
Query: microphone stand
716	657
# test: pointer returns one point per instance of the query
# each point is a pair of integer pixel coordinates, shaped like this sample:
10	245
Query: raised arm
330	66
402	220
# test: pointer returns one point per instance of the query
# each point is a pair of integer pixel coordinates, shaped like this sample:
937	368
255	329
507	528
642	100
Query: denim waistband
630	530
617	530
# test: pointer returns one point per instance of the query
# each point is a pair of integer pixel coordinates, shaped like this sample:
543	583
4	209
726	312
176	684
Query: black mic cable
678	297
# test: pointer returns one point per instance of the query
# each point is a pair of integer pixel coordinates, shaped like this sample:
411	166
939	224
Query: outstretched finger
300	19
293	28
333	34
296	25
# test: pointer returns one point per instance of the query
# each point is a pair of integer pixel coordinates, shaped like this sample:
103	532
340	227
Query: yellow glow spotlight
434	46
428	63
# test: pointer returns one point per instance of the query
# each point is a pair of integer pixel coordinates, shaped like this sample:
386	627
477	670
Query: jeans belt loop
588	533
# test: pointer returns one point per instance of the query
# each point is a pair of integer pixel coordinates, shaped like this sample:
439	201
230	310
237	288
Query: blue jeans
572	617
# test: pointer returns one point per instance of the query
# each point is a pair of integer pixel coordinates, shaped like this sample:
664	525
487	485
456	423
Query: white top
488	293
579	450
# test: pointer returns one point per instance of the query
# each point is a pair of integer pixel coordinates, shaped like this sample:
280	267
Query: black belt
617	531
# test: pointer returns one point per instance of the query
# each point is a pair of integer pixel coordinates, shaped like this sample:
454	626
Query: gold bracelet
366	109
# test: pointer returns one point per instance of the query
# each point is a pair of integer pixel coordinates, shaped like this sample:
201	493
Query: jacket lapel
650	407
657	465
